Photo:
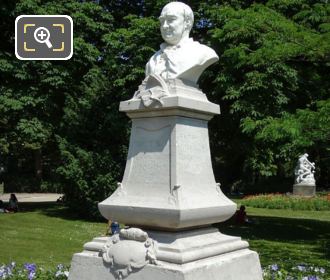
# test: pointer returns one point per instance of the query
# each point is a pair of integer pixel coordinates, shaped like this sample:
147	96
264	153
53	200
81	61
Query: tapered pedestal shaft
168	181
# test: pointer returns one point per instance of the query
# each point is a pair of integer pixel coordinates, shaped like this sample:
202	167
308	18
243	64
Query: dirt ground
32	197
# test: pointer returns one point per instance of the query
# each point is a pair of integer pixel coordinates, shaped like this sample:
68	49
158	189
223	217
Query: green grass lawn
286	237
47	234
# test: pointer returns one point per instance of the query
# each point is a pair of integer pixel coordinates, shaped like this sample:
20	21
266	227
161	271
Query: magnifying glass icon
41	35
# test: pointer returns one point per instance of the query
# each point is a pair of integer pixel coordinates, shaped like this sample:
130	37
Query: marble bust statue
177	66
179	57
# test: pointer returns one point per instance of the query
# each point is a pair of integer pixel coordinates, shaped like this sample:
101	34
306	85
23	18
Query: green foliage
32	133
278	201
59	120
272	79
88	177
126	55
59	115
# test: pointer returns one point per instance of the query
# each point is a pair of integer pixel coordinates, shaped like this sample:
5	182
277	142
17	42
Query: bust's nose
165	24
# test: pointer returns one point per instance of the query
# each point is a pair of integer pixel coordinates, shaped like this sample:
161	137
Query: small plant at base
299	272
30	271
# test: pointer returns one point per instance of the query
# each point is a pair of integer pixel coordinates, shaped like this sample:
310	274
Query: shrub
280	201
88	176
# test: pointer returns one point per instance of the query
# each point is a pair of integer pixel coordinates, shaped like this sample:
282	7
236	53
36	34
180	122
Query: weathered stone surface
129	249
238	265
182	101
304	189
194	255
168	181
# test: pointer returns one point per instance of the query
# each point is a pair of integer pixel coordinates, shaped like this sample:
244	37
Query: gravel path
32	197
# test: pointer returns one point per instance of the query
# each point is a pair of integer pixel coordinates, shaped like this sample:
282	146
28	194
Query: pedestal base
239	265
203	254
307	190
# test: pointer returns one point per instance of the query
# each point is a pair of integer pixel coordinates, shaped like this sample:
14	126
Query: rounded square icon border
39	58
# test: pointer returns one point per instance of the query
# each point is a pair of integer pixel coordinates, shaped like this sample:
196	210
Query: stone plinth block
168	181
191	255
304	189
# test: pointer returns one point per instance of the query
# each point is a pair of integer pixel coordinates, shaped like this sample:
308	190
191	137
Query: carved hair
186	12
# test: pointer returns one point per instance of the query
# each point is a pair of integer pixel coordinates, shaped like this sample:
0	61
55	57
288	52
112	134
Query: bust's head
176	21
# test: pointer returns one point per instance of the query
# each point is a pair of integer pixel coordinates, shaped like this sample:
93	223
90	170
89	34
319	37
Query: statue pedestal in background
304	190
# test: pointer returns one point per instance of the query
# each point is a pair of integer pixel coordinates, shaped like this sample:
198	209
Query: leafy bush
30	271
279	201
89	178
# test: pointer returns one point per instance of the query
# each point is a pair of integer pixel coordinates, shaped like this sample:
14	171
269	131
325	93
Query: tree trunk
38	164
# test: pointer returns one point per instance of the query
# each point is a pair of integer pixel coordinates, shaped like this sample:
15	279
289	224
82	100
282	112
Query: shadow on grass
284	238
279	228
54	209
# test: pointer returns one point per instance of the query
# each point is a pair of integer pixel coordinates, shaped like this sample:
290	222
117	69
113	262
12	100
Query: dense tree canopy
59	120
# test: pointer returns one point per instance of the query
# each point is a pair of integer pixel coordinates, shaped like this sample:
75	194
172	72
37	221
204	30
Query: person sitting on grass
2	207
13	204
240	216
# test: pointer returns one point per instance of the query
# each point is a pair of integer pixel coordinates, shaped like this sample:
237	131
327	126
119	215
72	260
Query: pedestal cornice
171	106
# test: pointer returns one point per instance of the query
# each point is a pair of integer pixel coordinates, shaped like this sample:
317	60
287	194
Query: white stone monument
168	194
304	177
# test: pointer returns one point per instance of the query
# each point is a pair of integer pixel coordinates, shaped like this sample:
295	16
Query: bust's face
172	24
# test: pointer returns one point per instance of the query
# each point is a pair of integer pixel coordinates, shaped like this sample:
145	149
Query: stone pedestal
304	189
194	255
170	194
168	181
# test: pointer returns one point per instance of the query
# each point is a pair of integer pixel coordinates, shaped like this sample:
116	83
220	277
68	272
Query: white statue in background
180	60
304	171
